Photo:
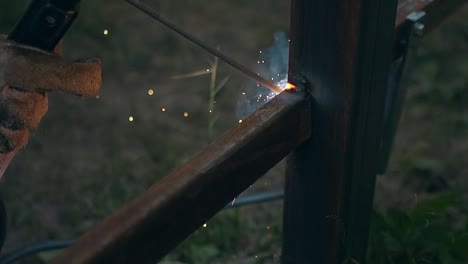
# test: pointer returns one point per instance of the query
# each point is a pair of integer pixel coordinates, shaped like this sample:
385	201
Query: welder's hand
26	75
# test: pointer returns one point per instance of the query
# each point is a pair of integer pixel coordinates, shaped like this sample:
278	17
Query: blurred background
157	108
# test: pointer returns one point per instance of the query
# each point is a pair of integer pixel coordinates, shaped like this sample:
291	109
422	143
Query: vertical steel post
343	50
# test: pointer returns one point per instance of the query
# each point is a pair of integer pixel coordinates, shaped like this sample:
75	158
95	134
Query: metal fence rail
156	221
340	46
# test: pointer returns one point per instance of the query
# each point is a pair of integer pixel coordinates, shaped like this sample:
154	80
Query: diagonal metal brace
398	83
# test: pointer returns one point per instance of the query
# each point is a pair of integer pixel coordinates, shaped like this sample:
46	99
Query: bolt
51	21
418	29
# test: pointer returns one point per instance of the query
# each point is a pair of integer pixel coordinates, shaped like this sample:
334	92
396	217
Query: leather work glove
26	75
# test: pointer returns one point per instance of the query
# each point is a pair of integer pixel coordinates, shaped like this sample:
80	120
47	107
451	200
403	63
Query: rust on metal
152	224
344	48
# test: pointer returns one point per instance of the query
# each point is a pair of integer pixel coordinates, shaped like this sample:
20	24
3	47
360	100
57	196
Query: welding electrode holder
45	23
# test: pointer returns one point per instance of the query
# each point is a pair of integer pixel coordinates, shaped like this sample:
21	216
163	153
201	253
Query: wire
256	198
155	15
34	249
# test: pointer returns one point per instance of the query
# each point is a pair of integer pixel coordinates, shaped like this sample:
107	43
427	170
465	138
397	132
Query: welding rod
152	13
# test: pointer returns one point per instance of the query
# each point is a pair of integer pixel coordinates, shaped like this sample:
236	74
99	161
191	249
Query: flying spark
130	118
163	109
150	92
186	114
106	32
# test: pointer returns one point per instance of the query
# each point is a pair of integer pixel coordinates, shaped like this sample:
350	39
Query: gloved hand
26	75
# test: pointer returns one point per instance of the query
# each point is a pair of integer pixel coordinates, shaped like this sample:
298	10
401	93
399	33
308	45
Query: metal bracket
398	83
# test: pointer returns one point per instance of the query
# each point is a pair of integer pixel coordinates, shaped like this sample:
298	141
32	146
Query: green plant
424	234
214	91
220	236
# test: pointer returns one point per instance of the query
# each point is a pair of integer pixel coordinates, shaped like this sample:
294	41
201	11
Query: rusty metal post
152	224
343	50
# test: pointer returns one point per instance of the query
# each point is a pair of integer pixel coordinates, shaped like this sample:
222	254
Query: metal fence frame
331	131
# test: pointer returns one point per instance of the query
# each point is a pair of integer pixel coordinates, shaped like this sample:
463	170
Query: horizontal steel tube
436	11
152	224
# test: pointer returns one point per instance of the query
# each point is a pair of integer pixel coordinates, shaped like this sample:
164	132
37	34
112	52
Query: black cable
255	198
34	249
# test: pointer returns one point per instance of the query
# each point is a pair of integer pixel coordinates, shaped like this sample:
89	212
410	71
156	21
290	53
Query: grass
432	232
214	91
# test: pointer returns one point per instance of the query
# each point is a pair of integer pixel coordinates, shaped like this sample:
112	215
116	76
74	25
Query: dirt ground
87	158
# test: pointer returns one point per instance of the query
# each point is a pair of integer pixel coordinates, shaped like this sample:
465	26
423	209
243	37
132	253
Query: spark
243	93
240	121
130	118
211	111
163	109
260	52
186	114
150	92
106	32
97	97
208	70
204	225
289	86
233	201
